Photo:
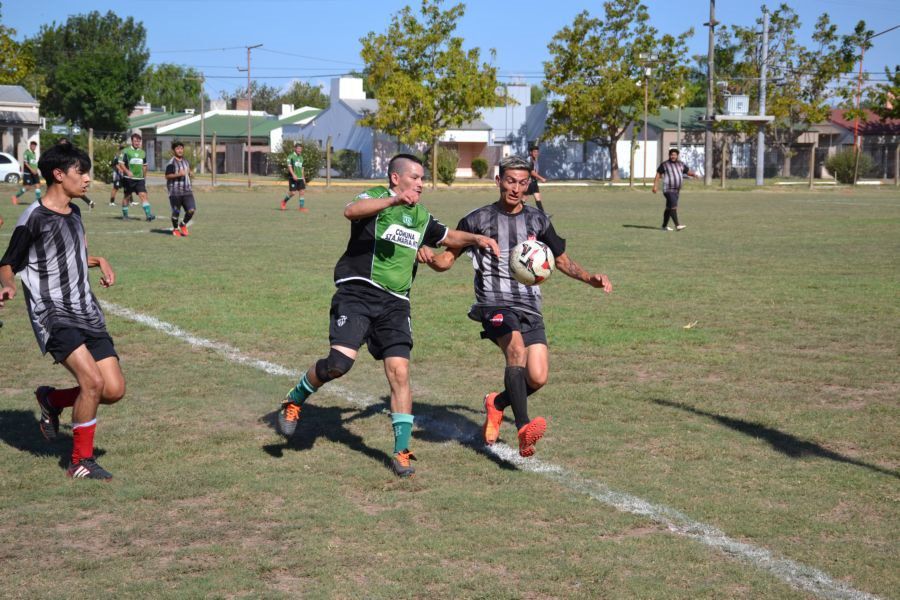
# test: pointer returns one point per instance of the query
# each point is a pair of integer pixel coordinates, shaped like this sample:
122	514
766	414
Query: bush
104	150
479	167
843	163
313	158
347	163
447	161
191	154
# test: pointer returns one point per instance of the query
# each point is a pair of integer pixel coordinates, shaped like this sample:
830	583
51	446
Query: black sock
174	222
187	217
666	217
502	400
539	205
674	214
86	200
517	394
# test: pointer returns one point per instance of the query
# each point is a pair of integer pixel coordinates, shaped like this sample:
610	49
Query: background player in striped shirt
672	172
509	312
48	248
533	188
181	195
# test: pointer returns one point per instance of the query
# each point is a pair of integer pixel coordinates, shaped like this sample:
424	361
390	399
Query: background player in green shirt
31	177
132	166
296	179
371	304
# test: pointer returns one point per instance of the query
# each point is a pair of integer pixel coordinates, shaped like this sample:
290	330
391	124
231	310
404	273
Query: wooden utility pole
215	158
328	162
91	149
812	162
249	121
761	133
710	94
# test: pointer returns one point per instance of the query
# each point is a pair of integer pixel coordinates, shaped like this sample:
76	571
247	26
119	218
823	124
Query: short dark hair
533	147
675	150
514	163
177	143
63	140
32	143
63	157
136	135
298	143
399	161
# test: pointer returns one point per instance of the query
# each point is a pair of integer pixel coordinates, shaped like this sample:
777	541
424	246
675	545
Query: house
879	138
20	120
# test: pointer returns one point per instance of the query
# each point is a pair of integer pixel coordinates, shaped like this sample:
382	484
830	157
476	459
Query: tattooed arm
575	271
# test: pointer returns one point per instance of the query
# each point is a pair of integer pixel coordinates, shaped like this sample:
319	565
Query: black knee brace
336	365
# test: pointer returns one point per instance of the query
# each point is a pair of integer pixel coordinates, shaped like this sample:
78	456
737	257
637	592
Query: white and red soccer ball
531	262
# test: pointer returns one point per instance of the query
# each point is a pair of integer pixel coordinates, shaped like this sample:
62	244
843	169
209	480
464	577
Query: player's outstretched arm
439	262
462	239
108	276
7	284
575	271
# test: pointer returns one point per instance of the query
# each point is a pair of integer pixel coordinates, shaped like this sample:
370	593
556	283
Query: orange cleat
176	232
15	201
184	230
303	209
530	434
400	464
492	421
283	204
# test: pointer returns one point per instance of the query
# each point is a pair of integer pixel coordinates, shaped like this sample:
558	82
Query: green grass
774	418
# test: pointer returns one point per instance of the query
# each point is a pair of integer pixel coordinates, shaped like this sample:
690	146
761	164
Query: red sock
83	440
63	398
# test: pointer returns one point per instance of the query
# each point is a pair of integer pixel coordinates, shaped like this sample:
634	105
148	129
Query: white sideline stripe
791	572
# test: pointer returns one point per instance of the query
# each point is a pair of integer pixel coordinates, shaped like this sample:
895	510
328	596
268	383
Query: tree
537	94
93	66
595	71
265	97
172	86
302	94
885	97
424	81
16	60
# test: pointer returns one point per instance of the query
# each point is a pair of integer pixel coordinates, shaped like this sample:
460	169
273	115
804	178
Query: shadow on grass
641	227
20	430
167	232
785	443
446	424
327	422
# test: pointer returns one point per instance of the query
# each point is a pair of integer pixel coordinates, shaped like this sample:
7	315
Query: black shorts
532	188
296	185
671	198
362	313
116	180
30	179
64	340
133	186
498	321
178	202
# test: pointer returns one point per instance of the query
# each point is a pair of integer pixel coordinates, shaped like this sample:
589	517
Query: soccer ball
531	262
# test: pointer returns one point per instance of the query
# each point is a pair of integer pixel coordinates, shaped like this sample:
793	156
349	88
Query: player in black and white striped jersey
672	172
181	194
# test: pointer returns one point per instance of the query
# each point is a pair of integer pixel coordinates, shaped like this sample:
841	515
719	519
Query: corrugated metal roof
299	117
228	126
155	118
361	106
16	93
667	118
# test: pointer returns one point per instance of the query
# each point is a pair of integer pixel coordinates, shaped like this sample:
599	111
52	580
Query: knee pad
175	213
336	365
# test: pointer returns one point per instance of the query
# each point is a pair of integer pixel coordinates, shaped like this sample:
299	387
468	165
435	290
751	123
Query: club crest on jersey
341	320
402	236
408	220
497	320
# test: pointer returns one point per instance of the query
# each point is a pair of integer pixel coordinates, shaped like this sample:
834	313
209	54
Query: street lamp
646	59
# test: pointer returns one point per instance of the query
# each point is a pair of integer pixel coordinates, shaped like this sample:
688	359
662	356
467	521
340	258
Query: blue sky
313	40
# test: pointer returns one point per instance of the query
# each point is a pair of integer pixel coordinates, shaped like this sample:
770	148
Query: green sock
21	192
403	424
302	391
301	201
286	198
147	209
125	211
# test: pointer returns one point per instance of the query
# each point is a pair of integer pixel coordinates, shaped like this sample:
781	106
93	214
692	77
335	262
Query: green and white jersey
134	159
296	161
31	161
382	248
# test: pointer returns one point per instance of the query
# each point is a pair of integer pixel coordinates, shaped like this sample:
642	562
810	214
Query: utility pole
710	94
249	121
646	59
202	81
761	135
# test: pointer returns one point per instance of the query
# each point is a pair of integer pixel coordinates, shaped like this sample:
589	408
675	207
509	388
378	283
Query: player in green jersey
31	177
132	166
371	304
296	179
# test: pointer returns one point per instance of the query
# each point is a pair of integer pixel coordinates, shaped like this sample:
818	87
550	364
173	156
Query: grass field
774	419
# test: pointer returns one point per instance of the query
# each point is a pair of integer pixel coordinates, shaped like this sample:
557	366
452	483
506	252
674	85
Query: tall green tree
173	86
302	94
265	97
595	72
16	59
424	81
885	97
93	66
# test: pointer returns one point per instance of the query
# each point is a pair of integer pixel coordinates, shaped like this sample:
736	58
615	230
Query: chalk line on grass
795	574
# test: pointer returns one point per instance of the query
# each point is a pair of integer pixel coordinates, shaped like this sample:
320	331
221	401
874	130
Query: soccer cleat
176	232
664	228
15	201
112	202
283	204
134	204
151	218
184	230
87	468
492	420
530	434
680	227
288	417
303	209
400	463
49	422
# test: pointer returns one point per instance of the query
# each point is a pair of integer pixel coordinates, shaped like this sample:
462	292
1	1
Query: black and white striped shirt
49	250
180	186
672	174
494	284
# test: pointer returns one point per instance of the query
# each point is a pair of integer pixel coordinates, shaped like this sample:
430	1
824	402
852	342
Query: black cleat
87	468
49	414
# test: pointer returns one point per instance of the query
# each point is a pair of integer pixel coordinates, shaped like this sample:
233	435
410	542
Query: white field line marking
793	573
